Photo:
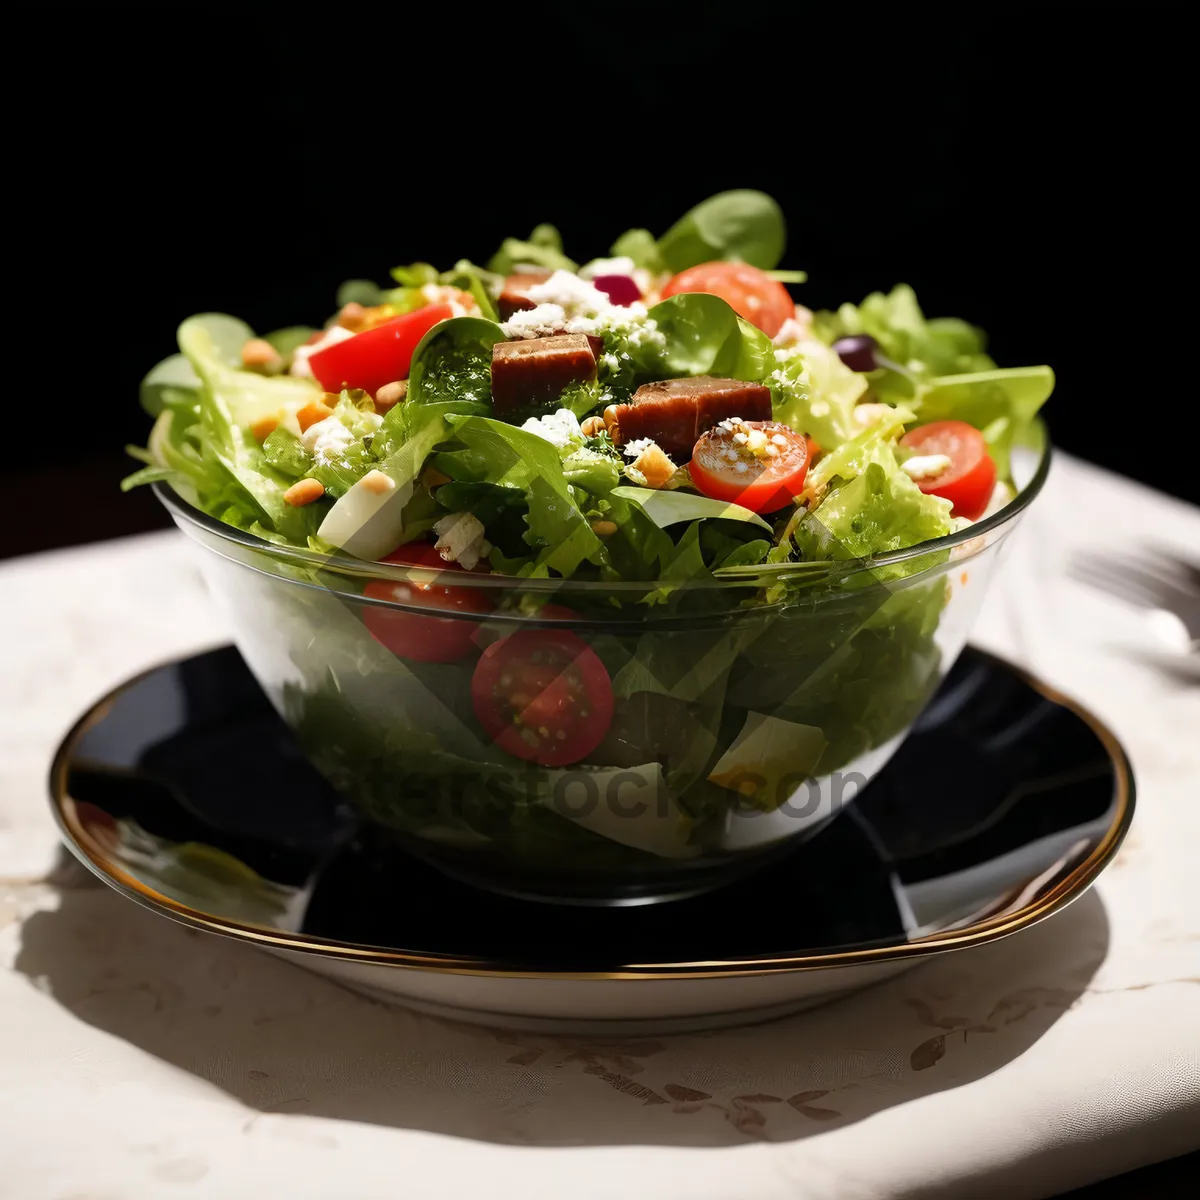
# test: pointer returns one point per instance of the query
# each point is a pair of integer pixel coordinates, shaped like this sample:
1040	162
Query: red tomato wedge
760	465
751	293
971	476
543	695
425	638
376	356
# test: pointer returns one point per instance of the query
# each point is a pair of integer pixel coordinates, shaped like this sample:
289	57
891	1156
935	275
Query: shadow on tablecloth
282	1041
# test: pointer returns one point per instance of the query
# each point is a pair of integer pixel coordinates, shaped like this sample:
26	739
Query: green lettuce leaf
666	508
894	319
1001	402
876	511
814	392
543	248
511	457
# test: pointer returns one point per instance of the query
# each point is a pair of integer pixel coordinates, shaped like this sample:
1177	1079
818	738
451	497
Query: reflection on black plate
185	789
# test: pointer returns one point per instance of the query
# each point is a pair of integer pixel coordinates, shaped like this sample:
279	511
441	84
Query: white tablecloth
138	1059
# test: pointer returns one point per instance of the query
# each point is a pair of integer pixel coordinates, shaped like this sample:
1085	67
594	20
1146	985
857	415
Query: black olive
857	352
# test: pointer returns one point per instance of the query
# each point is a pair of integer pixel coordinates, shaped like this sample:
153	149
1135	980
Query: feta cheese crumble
925	466
570	293
541	321
622	265
326	440
637	448
560	428
461	540
300	365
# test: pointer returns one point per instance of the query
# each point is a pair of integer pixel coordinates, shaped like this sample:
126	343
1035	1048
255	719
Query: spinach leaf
742	225
639	245
453	361
704	336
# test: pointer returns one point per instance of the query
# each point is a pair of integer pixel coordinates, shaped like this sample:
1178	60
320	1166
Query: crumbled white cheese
629	322
622	265
866	415
567	304
536	322
460	539
794	330
925	466
560	428
325	440
300	356
571	293
611	362
637	448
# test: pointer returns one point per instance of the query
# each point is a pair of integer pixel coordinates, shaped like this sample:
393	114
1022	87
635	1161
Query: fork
1152	580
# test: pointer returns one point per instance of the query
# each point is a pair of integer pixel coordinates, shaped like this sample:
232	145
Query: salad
680	475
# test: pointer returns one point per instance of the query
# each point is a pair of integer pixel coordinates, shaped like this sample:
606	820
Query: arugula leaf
666	508
704	336
542	249
741	225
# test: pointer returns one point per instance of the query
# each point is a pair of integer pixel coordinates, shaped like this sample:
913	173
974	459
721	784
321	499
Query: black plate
186	790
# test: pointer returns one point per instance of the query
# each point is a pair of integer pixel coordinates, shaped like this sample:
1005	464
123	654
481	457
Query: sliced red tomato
971	476
543	695
751	293
417	636
376	356
760	465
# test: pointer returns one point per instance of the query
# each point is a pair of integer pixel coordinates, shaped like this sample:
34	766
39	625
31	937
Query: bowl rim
1062	889
184	512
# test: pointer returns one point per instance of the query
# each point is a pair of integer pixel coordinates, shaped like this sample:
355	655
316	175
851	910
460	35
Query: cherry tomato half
416	636
543	695
751	293
760	465
969	479
376	356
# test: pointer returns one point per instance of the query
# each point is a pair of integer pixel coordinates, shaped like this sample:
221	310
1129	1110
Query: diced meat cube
533	371
675	412
513	297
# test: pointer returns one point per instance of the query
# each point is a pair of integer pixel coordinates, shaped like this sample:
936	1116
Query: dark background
1021	168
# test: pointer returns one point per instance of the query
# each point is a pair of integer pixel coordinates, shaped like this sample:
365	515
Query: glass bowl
746	710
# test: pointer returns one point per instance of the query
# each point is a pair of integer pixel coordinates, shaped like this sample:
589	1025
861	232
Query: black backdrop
1021	168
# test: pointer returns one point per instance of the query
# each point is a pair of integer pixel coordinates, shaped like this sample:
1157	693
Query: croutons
593	426
655	466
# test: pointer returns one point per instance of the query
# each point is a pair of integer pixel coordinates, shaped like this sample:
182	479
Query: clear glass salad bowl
746	710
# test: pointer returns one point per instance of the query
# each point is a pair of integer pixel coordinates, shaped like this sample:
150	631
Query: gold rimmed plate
184	791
